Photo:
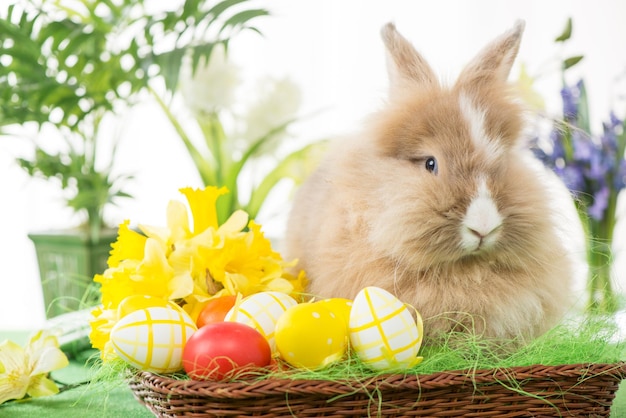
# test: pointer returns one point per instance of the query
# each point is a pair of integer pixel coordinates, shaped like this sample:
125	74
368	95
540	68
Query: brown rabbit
439	201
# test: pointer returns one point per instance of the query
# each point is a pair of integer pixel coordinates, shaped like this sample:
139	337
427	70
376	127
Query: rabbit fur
439	201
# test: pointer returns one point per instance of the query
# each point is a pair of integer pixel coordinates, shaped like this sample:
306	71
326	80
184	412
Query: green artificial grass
590	340
593	339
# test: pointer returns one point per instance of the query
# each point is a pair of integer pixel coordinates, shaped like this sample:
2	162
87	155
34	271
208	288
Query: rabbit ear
406	67
494	62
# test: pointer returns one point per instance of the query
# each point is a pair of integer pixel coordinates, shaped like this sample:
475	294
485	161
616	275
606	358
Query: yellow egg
382	330
310	336
339	306
261	311
152	339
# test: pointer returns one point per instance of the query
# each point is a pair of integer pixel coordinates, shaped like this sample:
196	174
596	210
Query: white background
332	49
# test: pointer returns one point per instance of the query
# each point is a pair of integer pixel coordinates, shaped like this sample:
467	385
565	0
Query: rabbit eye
431	165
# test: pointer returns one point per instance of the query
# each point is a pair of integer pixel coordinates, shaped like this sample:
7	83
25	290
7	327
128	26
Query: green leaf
571	61
239	19
220	8
583	109
296	166
190	8
253	150
201	52
58	31
567	32
621	144
169	63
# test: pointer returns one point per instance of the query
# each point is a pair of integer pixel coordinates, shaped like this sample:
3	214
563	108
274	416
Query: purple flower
589	165
609	137
584	148
556	138
615	121
570	102
600	202
572	176
619	182
599	165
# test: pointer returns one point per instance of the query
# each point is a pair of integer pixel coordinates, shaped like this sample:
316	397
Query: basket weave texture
573	390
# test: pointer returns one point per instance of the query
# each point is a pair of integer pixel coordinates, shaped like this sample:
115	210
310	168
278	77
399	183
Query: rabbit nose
479	235
475	239
482	221
484	233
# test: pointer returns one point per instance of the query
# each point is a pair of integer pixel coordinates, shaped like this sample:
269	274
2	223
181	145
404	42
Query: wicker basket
580	390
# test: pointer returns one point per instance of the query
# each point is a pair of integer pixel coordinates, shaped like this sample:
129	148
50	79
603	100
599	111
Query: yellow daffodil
202	203
101	325
189	264
129	245
152	276
23	371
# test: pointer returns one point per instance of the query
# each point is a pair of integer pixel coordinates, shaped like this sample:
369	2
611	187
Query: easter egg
310	336
152	339
225	349
215	310
382	330
261	311
339	306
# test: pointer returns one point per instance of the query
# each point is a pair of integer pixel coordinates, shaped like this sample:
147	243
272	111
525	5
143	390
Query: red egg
223	349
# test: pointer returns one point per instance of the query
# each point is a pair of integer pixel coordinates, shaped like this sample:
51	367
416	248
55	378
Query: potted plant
73	65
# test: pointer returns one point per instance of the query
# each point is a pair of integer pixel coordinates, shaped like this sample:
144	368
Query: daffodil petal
235	223
52	358
181	286
155	261
41	386
177	221
160	234
280	285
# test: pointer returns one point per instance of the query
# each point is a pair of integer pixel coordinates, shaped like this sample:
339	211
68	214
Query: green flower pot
68	261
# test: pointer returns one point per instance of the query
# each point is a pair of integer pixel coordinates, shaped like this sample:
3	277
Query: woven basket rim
392	381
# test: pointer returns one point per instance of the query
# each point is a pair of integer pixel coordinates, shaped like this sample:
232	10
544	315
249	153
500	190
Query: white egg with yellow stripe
152	339
383	332
261	311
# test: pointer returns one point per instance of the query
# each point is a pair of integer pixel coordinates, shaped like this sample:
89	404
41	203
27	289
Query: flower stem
599	254
204	165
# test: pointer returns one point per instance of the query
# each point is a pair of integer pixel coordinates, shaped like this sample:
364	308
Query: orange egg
215	310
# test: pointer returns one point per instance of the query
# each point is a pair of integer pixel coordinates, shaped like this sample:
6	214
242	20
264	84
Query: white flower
278	102
213	85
